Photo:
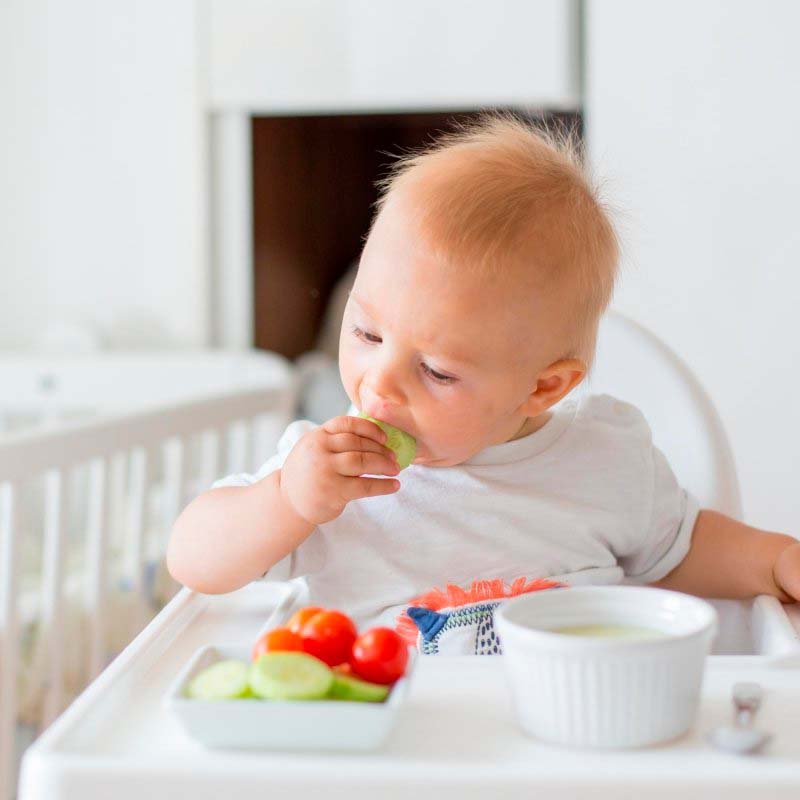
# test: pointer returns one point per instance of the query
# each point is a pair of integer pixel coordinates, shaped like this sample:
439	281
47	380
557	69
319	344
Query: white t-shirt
587	498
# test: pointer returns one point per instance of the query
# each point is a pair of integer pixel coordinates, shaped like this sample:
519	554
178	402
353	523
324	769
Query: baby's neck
531	425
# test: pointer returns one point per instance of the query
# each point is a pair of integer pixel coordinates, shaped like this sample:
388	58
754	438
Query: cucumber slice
346	687
225	680
403	444
285	675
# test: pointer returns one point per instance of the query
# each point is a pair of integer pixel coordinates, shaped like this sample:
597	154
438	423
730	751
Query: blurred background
199	174
184	188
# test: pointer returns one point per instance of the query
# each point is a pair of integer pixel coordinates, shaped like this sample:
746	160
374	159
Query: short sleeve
285	569
288	440
667	527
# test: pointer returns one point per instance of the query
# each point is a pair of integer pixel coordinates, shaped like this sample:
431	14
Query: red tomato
277	639
329	635
379	655
299	618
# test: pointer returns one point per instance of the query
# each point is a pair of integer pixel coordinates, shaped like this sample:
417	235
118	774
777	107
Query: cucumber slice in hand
290	676
346	687
225	680
403	444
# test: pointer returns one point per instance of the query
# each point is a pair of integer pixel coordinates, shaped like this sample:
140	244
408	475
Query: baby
474	312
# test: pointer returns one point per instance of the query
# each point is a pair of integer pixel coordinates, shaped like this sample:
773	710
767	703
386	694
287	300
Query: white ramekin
605	692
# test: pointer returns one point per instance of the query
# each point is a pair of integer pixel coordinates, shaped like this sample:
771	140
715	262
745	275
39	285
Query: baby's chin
426	458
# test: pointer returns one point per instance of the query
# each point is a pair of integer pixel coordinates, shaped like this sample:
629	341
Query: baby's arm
232	535
730	559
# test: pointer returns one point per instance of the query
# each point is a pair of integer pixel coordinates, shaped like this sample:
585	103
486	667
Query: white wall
333	56
693	112
101	197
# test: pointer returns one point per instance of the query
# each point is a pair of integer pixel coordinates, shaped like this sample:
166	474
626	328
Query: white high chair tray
455	736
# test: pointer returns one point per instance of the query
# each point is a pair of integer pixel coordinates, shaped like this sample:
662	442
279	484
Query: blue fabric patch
429	622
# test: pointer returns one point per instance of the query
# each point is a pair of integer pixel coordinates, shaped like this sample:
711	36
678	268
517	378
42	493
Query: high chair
455	737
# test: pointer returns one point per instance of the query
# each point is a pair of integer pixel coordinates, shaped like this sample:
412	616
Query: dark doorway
313	190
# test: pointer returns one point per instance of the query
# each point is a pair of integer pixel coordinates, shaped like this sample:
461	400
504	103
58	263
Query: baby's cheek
457	430
349	376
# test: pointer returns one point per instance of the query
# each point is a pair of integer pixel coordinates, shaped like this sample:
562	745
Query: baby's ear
553	383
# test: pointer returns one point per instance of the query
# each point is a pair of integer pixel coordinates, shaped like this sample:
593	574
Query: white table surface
456	736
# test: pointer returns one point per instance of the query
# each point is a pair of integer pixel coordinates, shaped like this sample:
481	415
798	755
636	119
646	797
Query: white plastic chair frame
635	365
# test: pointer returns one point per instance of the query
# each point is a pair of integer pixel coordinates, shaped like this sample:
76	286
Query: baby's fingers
362	462
356	425
370	487
344	442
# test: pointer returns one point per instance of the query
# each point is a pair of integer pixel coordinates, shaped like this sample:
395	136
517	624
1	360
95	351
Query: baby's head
480	287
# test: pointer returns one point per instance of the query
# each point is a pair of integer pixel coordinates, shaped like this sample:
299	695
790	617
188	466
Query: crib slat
240	446
117	497
265	438
96	562
247	446
209	459
53	593
224	450
174	479
9	646
135	541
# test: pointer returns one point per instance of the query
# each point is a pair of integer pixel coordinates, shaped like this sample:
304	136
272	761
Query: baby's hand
321	474
787	571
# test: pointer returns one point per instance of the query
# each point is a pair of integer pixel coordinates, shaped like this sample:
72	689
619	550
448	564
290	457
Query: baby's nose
378	405
381	396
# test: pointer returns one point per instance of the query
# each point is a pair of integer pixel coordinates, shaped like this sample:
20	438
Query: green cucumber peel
347	687
403	444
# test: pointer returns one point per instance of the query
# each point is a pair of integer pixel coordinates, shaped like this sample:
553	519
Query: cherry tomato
379	655
299	618
277	639
329	635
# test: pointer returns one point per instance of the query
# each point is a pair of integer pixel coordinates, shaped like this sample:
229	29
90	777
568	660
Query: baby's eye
439	378
372	339
367	337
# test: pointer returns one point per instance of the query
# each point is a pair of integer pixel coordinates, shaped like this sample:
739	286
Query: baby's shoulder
613	421
608	410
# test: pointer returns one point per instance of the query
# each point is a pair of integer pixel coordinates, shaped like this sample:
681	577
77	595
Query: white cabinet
282	56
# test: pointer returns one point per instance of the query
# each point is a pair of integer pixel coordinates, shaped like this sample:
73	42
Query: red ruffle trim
452	596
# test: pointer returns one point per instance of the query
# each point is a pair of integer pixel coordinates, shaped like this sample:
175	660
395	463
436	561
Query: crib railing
137	471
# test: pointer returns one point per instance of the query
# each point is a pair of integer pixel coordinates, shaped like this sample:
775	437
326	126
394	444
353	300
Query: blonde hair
498	189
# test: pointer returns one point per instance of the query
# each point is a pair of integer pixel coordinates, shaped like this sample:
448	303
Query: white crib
98	454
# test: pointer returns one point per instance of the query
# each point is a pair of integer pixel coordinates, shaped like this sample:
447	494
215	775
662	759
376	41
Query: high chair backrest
633	364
